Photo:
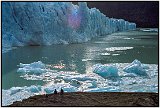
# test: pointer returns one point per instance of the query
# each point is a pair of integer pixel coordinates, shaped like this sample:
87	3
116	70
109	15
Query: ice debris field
117	77
48	23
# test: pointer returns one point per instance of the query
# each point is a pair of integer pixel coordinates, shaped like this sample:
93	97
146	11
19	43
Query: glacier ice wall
47	23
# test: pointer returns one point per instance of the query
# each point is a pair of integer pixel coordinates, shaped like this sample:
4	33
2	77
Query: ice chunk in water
105	89
136	67
36	67
70	89
82	77
14	90
75	83
105	71
38	64
93	84
34	89
49	90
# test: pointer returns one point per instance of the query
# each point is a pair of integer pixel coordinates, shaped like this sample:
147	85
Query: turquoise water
81	57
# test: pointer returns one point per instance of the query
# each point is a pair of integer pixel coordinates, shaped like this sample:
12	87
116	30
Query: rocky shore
92	99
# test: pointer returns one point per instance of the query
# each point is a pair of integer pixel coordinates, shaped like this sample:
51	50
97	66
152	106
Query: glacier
48	23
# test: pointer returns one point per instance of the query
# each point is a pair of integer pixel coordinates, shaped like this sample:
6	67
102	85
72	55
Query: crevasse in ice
43	23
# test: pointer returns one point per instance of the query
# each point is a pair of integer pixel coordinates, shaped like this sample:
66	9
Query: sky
144	13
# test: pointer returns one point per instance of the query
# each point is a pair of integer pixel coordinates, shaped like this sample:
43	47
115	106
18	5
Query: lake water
118	49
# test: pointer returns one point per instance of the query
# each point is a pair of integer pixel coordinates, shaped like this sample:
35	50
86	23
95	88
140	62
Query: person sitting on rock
55	91
61	91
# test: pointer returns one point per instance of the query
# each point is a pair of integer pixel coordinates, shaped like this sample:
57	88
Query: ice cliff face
47	23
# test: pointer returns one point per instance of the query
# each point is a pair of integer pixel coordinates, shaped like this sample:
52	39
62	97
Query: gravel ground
92	99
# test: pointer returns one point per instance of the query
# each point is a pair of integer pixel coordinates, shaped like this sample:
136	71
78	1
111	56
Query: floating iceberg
150	30
35	67
105	71
92	84
34	89
118	48
81	77
136	67
47	23
75	83
49	90
14	90
106	89
38	64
